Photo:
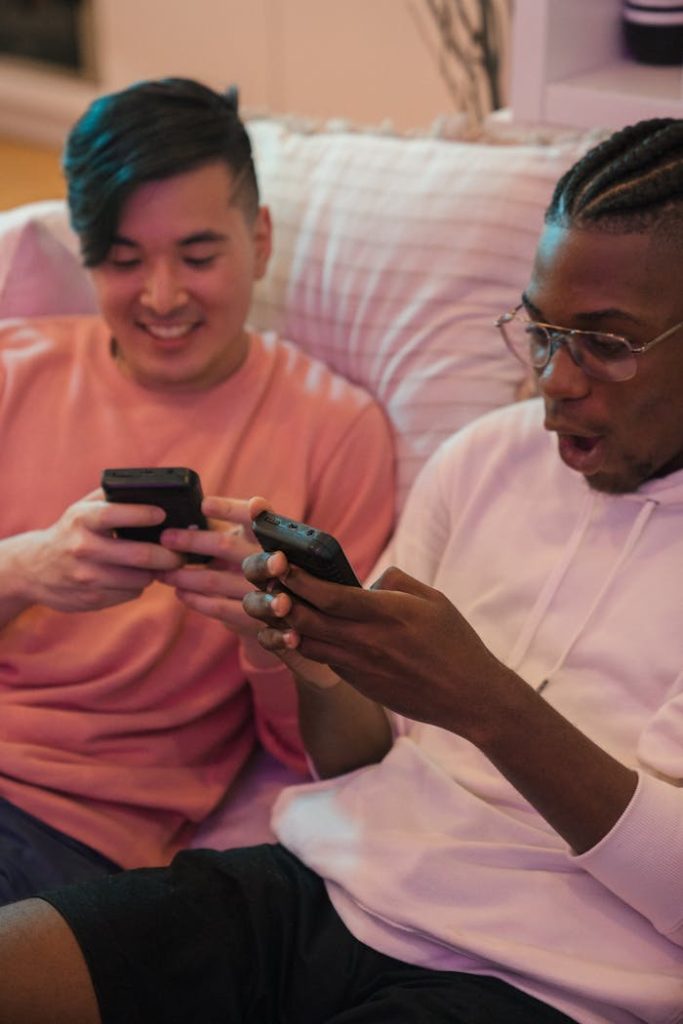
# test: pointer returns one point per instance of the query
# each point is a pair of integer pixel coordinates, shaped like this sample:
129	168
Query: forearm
342	730
578	787
275	705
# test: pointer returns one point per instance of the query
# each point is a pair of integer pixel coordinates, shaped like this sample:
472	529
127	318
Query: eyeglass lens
599	355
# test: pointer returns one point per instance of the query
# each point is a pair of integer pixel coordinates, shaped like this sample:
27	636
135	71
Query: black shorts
251	936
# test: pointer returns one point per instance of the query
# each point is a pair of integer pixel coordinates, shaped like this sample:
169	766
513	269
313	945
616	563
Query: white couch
392	258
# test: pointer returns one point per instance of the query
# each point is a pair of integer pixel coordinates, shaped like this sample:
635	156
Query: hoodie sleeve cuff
641	857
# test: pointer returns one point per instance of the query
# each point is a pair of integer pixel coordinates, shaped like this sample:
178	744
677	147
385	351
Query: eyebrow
196	239
203	236
594	316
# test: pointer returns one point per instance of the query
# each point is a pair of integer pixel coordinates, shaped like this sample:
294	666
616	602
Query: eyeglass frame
568	332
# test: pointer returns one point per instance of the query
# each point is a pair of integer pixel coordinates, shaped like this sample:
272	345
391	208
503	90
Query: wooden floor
27	173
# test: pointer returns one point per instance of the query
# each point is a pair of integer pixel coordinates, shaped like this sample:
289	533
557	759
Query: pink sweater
125	726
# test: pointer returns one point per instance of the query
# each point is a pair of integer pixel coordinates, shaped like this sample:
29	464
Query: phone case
313	550
176	489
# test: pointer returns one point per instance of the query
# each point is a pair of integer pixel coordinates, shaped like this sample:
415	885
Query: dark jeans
251	936
34	856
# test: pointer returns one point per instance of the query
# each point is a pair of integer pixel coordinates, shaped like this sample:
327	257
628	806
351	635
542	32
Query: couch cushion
393	256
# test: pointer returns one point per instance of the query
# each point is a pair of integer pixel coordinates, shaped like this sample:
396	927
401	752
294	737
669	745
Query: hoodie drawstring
553	582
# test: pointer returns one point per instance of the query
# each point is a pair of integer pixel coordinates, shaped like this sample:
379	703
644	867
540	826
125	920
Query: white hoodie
432	856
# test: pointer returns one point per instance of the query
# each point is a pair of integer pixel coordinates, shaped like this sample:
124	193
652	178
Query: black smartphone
176	489
317	552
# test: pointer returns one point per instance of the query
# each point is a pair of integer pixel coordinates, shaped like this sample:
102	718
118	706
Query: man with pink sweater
126	705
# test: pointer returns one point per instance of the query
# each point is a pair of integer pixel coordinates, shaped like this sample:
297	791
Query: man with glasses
497	725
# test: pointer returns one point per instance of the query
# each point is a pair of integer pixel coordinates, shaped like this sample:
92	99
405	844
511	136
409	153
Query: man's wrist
507	702
15	580
318	678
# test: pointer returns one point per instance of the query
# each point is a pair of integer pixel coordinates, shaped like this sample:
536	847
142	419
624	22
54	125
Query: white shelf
568	68
38	104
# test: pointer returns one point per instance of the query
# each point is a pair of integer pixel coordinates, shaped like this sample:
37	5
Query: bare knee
45	979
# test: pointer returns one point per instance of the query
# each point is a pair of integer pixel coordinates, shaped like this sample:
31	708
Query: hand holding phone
313	550
176	489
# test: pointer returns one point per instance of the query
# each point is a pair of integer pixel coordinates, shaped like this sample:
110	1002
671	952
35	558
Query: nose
163	290
562	378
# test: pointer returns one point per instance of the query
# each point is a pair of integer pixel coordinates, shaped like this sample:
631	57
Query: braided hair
146	132
632	181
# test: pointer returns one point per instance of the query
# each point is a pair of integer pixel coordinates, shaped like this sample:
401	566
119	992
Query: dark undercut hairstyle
630	182
147	132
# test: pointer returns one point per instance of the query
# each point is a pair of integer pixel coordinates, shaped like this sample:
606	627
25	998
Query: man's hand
77	564
269	605
217	589
342	729
402	644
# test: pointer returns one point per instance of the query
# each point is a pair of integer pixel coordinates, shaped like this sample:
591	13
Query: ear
262	233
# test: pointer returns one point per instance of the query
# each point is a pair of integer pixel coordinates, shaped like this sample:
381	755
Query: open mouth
581	453
584	444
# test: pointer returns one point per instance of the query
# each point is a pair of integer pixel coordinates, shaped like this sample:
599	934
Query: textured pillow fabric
40	270
393	256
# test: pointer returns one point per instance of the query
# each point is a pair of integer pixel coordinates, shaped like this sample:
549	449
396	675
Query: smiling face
618	435
175	287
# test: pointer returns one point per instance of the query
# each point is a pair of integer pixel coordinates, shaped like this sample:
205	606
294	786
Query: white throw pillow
392	258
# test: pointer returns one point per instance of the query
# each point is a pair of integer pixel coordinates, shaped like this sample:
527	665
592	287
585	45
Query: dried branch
471	37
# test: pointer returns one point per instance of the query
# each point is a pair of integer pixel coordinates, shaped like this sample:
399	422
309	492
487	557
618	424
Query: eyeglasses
602	356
